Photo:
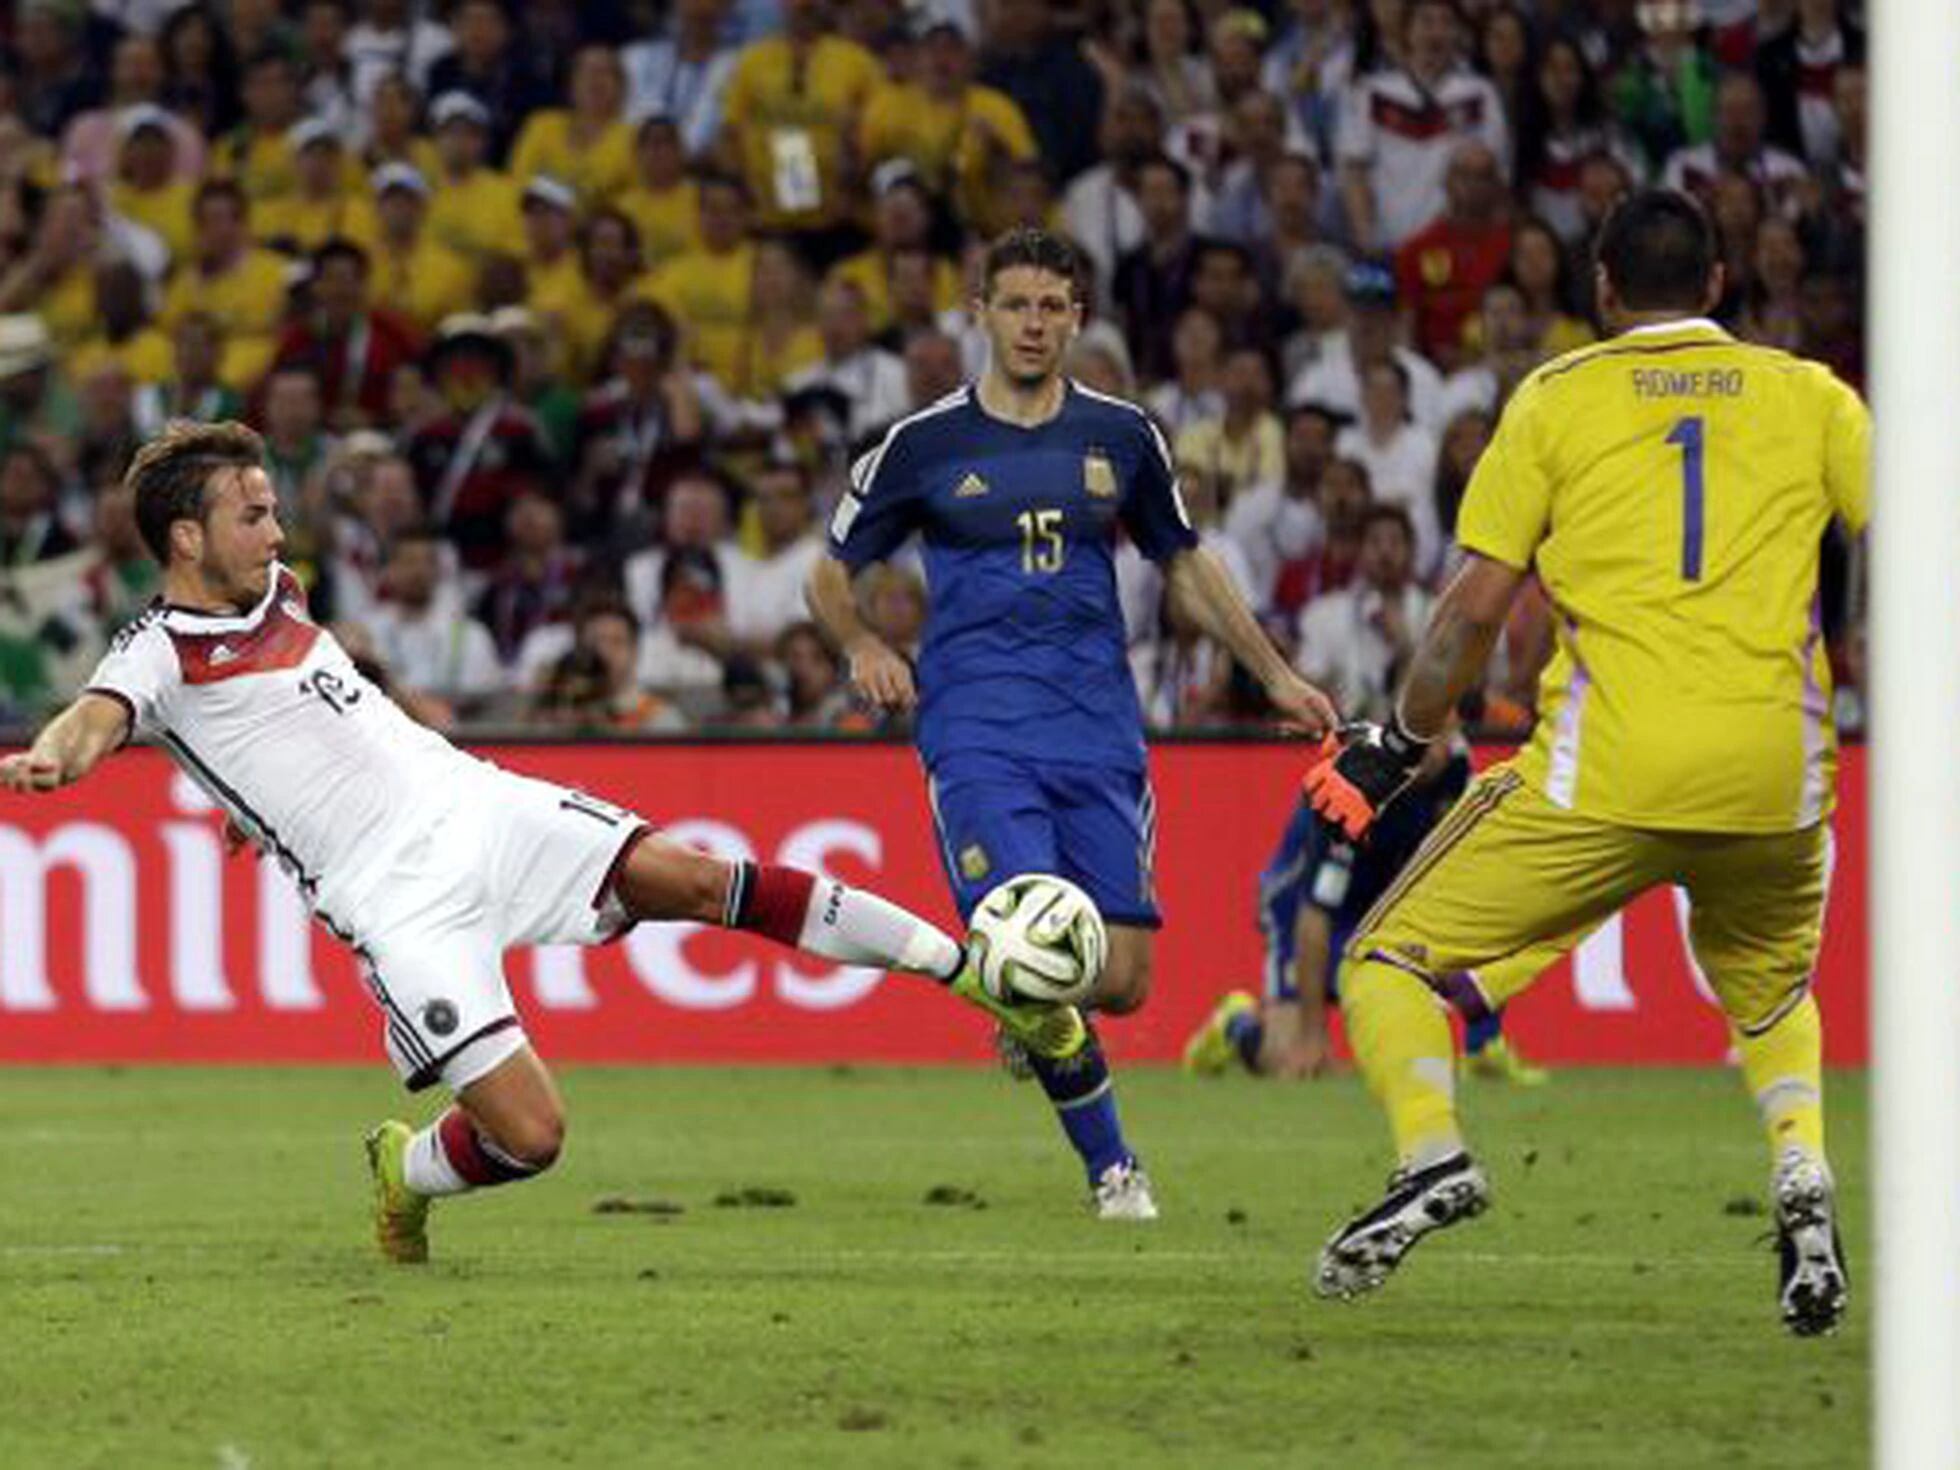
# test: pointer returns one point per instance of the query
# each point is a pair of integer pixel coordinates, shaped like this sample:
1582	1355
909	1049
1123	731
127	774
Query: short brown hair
1038	250
169	474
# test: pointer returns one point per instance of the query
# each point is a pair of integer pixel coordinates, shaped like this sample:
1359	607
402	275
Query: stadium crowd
563	321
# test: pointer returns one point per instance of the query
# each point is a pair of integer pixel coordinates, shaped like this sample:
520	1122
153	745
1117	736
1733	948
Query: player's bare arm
1201	590
1454	649
878	674
69	747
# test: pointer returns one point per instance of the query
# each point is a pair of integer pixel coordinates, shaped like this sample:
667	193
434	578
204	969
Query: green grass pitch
186	1280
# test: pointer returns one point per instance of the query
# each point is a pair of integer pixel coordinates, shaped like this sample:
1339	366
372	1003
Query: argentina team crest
1098	474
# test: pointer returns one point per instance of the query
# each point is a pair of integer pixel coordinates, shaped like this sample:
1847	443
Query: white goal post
1914	295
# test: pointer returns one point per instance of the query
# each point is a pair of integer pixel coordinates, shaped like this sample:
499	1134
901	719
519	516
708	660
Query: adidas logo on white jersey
224	653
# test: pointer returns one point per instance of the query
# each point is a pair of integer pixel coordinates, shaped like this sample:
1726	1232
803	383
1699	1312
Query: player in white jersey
429	862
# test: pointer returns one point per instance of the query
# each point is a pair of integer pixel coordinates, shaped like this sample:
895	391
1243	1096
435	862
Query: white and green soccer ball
1042	940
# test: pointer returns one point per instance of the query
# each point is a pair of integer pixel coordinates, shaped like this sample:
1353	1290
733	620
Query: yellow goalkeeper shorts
1508	882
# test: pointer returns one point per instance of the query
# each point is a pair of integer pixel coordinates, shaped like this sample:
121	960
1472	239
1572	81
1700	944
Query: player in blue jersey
1313	893
1027	717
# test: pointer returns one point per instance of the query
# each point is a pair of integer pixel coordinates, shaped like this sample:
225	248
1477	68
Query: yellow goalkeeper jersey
1671	487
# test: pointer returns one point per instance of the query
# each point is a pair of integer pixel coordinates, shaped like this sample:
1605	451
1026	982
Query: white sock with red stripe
824	917
450	1157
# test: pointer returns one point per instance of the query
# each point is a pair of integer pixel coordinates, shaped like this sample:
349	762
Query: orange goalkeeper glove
1362	768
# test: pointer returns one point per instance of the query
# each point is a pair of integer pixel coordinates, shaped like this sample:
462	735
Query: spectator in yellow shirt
664	204
956	133
125	339
147	187
257	152
708	291
321	207
474	210
552	280
90	143
901	220
610	276
589	145
54	278
239	284
781	337
413	274
791	116
1027	198
191	389
394	123
912	288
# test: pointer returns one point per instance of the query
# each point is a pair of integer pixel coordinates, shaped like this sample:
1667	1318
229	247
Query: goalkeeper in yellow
1670	487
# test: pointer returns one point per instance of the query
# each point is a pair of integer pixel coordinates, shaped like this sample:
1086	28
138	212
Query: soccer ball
1041	940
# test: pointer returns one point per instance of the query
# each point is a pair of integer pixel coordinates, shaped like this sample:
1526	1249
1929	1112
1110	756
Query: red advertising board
126	935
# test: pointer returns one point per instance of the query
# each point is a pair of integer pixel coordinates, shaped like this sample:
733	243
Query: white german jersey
266	712
1405	133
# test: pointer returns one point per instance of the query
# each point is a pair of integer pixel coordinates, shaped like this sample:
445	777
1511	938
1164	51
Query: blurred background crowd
563	321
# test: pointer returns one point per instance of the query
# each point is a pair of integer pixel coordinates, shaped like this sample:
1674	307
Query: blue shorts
999	816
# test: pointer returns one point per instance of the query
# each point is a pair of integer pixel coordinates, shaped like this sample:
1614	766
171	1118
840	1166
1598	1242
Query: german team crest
1099	475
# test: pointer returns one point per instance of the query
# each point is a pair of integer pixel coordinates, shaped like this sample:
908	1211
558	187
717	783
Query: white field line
1115	1257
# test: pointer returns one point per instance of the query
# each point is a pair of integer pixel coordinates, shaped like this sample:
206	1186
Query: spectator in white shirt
595	687
1737	147
768	592
378	501
1197	347
933	367
1313	285
1332	380
1510	350
1259	138
1182	676
1355	642
424	636
390	38
1400	128
682	75
1311	65
694	516
1279	522
1099	210
1462	445
1245	445
691	602
871	379
1400	457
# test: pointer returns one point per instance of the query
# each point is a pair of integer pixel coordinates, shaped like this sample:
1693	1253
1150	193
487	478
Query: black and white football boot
1812	1284
1359	1257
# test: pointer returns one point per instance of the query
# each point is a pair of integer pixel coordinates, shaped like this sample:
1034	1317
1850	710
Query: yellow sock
1784	1068
1401	1039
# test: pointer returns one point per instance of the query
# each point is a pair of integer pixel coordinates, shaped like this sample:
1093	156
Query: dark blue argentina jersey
1024	645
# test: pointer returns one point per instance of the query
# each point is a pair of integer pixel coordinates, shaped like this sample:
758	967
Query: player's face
1030	316
241	536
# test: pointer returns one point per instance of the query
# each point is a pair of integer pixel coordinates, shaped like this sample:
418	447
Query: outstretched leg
662	880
